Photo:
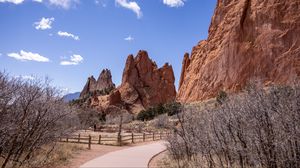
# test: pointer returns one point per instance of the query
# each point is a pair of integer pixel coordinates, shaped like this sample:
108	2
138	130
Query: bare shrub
257	128
115	118
89	117
162	121
32	115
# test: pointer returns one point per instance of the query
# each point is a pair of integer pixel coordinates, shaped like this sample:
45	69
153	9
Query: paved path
134	157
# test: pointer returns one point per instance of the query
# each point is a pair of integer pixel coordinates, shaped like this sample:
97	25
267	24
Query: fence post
144	137
90	141
153	136
67	139
99	142
119	139
78	138
159	135
132	138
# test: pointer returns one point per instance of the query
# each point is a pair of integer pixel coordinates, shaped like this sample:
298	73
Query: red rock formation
247	39
104	84
89	86
185	65
144	85
105	80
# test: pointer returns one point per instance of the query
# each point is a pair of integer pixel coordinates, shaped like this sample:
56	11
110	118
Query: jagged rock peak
105	80
103	83
90	85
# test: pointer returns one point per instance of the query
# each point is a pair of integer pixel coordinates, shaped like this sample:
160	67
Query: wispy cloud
28	56
174	3
44	23
13	1
66	34
26	77
129	38
131	5
100	2
40	1
65	4
74	60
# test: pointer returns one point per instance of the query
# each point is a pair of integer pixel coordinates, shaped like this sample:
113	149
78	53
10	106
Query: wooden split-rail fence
114	139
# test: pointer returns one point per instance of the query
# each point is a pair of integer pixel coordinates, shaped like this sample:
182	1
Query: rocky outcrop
248	39
144	84
88	87
103	85
105	80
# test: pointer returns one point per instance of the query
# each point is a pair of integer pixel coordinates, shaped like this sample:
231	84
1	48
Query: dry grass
61	153
162	161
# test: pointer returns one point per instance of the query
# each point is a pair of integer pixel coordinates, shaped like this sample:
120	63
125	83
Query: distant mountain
71	96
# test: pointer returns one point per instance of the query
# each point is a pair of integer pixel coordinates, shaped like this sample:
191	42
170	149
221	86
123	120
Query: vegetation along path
138	156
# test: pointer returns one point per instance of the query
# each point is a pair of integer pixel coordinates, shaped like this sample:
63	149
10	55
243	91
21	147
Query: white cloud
74	60
66	34
174	3
26	77
129	38
40	1
44	23
13	1
131	5
66	4
65	90
28	56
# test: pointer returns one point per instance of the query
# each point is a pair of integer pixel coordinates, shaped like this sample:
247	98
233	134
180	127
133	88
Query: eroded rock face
105	80
144	84
89	86
103	84
248	39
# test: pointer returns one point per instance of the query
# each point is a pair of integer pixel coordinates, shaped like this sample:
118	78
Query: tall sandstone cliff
248	39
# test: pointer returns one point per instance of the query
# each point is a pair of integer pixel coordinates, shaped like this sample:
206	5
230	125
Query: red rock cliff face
247	39
144	85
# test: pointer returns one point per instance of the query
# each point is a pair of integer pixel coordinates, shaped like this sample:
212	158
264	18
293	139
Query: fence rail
114	140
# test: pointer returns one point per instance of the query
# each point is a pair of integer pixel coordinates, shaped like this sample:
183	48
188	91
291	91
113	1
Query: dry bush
32	115
257	128
161	121
115	119
89	117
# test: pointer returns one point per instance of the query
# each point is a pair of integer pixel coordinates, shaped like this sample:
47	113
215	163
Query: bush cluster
257	128
152	112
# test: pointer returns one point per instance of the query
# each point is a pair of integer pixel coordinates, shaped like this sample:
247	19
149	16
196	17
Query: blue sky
69	40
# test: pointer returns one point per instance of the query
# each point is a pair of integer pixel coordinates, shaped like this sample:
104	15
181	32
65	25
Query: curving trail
134	157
